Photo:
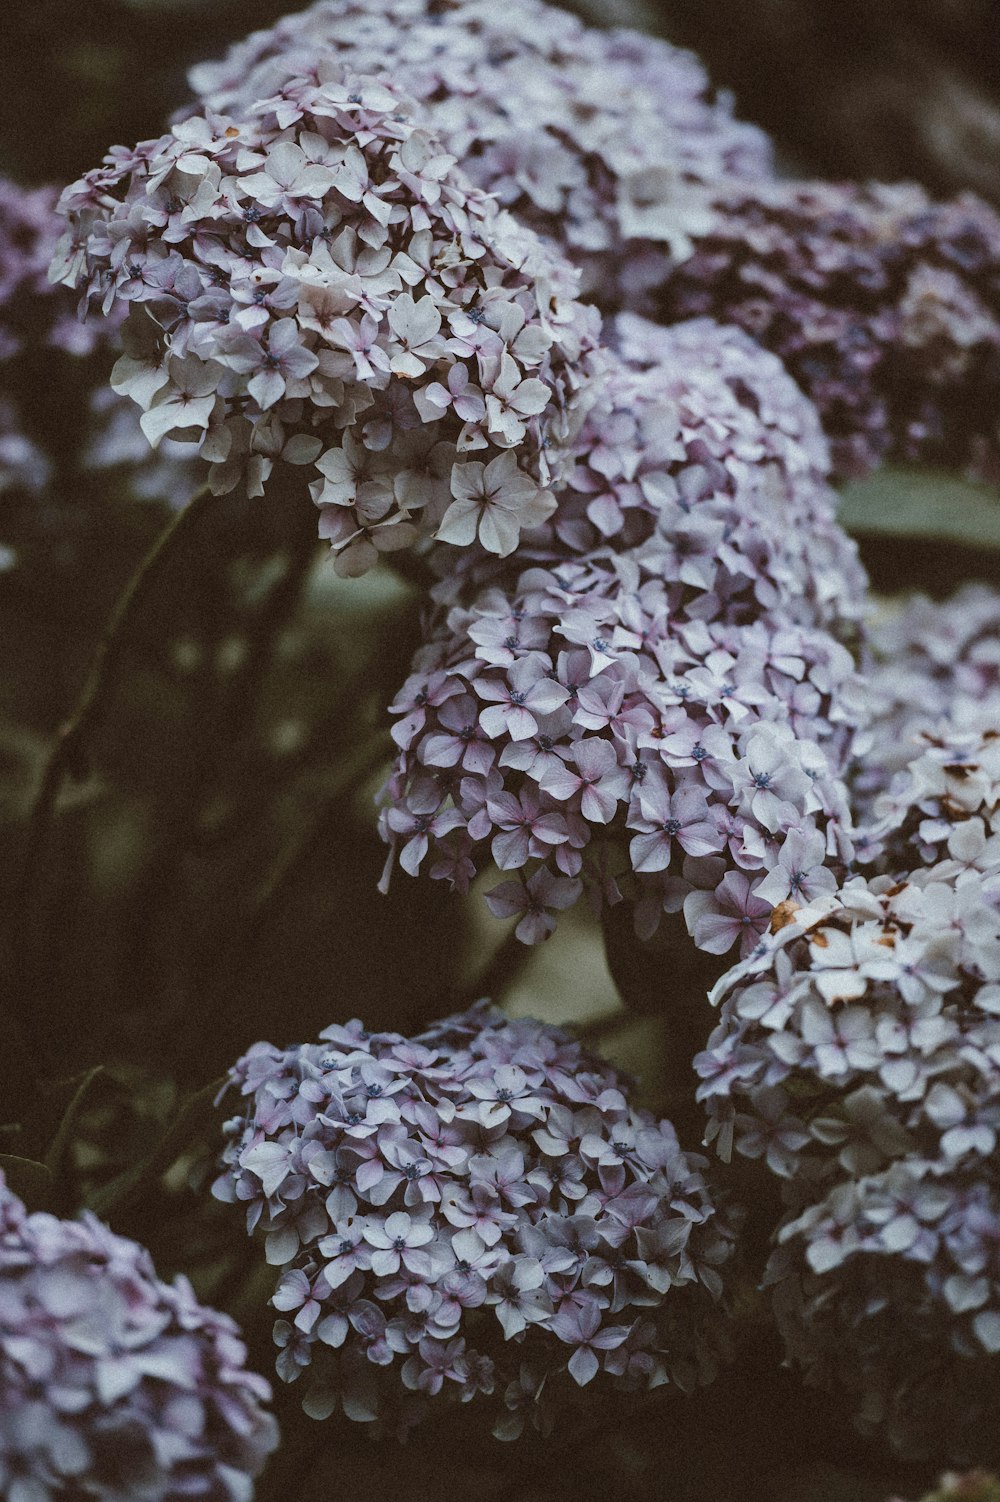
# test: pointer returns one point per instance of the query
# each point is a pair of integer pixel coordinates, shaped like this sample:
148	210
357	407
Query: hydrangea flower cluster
884	306
113	1384
610	144
319	283
475	1214
858	1052
932	663
883	303
584	704
675	696
696	434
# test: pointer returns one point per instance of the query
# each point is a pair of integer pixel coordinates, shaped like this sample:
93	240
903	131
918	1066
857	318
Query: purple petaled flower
534	900
663	818
673	727
357	259
731	915
113	1383
536	1262
611	144
858	1052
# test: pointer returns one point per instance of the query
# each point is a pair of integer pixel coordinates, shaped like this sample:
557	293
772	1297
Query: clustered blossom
113	1384
884	306
933	665
319	283
610	143
475	1214
673	699
585	702
696	435
946	801
858	1052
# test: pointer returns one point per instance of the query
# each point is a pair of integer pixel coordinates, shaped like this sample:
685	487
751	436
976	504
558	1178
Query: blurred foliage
208	873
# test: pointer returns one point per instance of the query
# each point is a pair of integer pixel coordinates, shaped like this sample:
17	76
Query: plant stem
66	755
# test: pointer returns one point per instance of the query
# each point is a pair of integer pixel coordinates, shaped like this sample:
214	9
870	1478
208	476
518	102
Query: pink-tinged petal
700	839
521	723
506	900
547	695
494	720
385	1263
510	849
650	852
413	853
560	782
598	805
595	758
535	928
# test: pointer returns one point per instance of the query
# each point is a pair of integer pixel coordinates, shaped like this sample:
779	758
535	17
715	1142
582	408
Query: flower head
607	143
562	1236
858	1051
114	1383
317	281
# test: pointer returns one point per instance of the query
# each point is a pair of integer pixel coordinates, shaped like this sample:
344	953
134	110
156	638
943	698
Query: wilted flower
475	1214
112	1383
859	1048
946	800
319	283
610	144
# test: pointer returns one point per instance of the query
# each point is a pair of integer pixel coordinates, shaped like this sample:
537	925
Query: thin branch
65	756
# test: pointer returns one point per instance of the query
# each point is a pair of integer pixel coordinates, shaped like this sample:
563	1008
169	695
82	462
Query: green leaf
55	1157
922	504
189	1119
30	1181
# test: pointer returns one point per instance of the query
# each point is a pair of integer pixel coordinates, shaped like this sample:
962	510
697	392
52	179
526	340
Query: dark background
210	876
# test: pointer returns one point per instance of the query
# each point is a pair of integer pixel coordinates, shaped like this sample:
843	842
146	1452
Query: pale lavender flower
114	1383
528	1261
858	1051
367	259
611	144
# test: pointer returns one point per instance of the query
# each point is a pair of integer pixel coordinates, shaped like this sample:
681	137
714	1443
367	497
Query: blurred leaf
56	1154
922	504
30	1181
195	1110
